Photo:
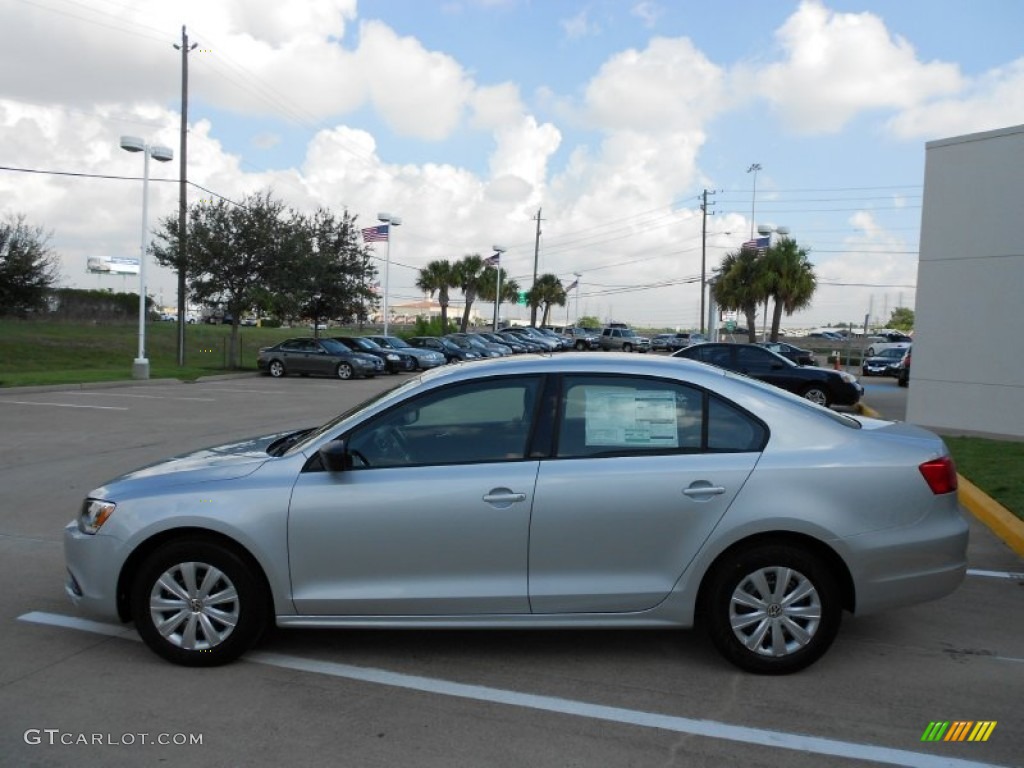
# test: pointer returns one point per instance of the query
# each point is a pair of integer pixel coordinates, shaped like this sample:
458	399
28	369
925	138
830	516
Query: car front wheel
276	369
343	371
198	604
817	394
773	609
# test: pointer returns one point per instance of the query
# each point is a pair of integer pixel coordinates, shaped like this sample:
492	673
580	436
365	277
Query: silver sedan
541	492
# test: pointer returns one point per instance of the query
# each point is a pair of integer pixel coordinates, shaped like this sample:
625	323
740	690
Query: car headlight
392	357
847	377
94	514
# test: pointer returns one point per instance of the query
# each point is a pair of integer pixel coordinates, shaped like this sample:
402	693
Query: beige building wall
967	372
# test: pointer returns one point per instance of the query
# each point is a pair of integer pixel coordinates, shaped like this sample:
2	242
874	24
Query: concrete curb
998	518
120	383
1001	521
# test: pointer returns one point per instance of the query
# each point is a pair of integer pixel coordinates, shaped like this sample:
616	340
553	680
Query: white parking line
708	728
142	397
65	405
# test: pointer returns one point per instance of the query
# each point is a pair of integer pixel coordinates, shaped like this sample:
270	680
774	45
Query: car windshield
364	343
396	343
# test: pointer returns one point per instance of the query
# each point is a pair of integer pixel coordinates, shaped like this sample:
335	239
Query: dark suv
820	385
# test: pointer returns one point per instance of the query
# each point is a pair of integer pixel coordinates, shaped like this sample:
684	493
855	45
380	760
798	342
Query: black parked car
451	351
819	385
395	361
885	363
324	357
798	355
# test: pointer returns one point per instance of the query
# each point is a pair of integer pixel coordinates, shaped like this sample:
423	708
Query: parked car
661	342
877	345
582	338
453	353
564	342
531	334
903	373
885	363
481	350
516	345
687	495
531	344
798	355
684	339
819	385
486	347
322	357
623	340
827	335
425	358
395	361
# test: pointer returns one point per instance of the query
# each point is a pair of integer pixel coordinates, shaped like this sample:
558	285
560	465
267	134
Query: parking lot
73	692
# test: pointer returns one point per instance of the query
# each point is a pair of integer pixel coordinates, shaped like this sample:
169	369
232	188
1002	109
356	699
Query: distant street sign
522	298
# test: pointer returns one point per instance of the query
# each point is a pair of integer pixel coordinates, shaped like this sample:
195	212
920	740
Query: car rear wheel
773	609
277	369
198	604
343	371
817	394
627	347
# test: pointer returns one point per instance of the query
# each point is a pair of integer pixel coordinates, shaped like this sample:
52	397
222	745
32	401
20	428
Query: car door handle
703	490
504	496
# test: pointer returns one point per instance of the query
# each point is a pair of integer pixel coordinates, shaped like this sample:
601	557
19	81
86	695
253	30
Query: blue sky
467	116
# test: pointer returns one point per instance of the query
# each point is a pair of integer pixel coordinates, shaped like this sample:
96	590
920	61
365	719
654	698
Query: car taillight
940	474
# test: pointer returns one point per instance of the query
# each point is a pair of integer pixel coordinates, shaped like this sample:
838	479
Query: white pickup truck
886	341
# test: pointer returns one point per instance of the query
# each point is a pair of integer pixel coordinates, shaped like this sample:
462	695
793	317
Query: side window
623	415
481	421
716	356
732	430
754	359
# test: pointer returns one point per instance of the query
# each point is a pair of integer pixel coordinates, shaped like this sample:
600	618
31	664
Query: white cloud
996	100
838	65
580	26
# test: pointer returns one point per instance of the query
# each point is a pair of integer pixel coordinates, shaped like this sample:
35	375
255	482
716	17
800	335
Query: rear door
643	470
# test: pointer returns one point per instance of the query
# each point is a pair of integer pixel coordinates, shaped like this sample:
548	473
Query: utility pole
703	253
536	256
183	195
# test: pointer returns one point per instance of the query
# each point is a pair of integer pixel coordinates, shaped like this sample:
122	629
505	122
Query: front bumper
93	566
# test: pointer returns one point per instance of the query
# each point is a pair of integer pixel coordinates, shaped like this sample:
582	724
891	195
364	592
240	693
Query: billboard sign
112	265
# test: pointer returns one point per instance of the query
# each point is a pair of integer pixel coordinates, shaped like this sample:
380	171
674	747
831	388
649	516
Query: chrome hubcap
775	611
194	606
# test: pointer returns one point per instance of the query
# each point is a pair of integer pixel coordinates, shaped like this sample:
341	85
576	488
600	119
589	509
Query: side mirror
335	456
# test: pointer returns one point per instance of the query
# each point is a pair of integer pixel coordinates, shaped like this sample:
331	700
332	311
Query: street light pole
391	221
754	168
140	366
498	250
577	275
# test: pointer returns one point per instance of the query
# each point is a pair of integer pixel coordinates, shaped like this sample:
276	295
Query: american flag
493	261
376	234
758	244
570	287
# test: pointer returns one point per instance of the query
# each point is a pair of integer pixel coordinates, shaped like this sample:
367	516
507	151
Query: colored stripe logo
958	730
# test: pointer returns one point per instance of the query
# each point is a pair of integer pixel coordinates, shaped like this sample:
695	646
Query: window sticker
630	417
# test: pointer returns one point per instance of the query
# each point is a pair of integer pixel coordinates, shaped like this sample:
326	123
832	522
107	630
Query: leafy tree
28	267
902	319
546	292
589	321
332	276
470	274
740	286
239	256
789	279
438	277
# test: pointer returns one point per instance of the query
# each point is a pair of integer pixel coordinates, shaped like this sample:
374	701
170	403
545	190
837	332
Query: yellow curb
1003	523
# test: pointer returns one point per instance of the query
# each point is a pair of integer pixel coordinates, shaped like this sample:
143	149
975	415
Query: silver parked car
534	491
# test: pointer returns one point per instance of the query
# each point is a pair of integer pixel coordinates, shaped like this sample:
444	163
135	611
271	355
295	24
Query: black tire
627	347
198	621
344	371
817	394
277	369
581	346
792	634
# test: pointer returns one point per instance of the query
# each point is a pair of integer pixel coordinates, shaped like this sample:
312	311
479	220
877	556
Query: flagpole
389	221
496	258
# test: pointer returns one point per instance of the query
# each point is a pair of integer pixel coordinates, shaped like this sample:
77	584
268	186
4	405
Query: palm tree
790	280
437	277
489	286
469	275
547	291
740	285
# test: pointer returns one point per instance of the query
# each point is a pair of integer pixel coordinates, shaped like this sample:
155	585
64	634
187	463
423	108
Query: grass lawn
50	352
995	466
